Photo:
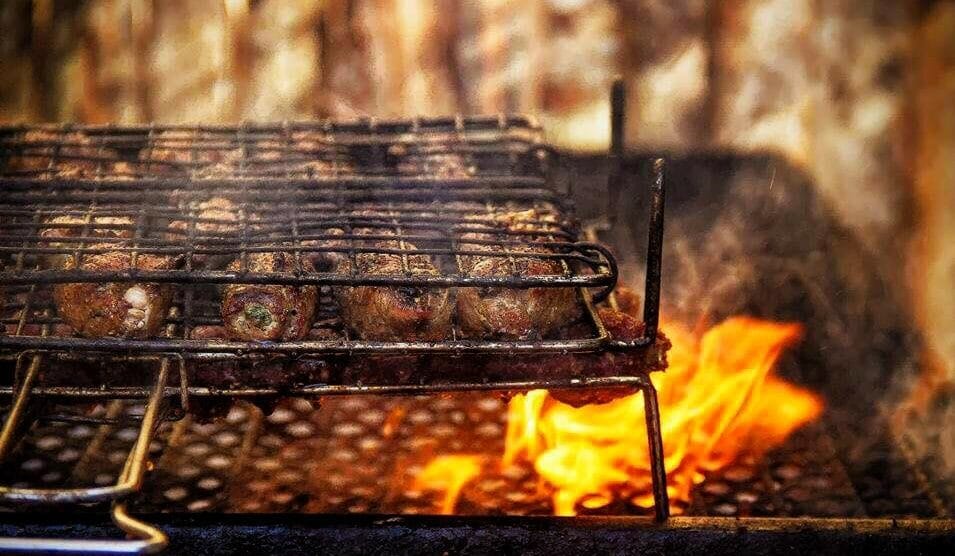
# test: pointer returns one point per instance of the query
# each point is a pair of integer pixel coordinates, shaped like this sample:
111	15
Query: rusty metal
661	499
651	303
133	471
362	186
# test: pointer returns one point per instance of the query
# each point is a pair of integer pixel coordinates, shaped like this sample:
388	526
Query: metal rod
134	469
618	121
651	298
124	392
10	426
661	499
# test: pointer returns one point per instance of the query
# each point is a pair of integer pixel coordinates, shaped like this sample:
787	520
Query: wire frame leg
661	499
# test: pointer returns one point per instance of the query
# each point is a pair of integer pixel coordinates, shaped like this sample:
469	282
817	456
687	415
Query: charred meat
216	217
65	155
514	313
398	312
128	310
256	312
196	153
59	231
106	309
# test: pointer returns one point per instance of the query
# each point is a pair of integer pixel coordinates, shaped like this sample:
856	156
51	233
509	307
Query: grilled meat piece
131	310
195	153
64	227
270	372
267	311
215	217
429	160
76	157
629	302
399	312
303	154
621	326
515	313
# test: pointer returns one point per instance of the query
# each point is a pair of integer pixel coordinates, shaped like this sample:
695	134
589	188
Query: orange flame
718	399
448	473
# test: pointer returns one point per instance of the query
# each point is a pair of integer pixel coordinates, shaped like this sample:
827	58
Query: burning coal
720	399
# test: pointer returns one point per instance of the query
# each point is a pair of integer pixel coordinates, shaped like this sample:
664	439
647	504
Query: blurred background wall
858	93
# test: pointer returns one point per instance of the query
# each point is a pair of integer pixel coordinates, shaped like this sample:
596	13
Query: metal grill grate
361	454
441	189
445	189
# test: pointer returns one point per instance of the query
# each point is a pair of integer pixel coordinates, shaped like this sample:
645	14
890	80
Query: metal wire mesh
448	191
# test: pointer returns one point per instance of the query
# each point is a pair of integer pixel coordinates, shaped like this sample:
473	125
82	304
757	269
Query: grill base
360	454
361	534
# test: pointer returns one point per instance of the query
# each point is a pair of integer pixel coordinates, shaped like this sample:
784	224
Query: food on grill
514	313
134	310
67	227
201	155
131	310
301	154
394	313
273	312
628	301
65	155
433	160
620	326
215	217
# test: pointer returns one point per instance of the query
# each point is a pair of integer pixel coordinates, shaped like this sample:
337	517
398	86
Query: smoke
752	235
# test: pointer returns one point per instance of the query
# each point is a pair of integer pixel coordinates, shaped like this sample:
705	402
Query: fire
448	474
718	399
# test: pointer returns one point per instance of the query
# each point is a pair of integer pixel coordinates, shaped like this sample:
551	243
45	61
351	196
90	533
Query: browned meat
269	312
114	309
302	154
199	154
511	312
399	312
621	326
269	372
60	227
77	156
514	313
215	217
429	160
628	301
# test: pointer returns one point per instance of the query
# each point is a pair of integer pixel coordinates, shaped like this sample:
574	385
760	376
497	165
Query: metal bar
384	126
661	499
12	423
121	392
133	470
618	120
222	349
651	298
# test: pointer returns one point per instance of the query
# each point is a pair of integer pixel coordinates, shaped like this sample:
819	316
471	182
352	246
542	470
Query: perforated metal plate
361	454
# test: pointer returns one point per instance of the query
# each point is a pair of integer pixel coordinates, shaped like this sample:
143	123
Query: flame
718	400
448	473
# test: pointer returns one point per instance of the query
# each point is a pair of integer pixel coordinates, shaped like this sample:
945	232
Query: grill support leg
661	500
13	423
